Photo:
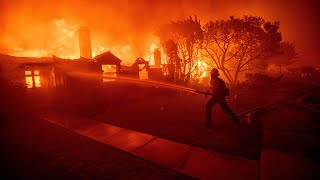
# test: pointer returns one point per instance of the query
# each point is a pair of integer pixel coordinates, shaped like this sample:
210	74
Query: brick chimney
157	58
85	42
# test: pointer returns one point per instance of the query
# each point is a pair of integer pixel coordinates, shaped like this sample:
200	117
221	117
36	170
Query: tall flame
64	43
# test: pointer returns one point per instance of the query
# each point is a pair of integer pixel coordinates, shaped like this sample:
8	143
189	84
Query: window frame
32	75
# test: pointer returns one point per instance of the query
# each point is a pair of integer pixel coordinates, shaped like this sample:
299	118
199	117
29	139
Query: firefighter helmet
214	72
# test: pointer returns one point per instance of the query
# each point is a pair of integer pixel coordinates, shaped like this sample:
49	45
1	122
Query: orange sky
130	24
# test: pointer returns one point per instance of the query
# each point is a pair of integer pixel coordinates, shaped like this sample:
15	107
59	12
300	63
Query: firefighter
218	92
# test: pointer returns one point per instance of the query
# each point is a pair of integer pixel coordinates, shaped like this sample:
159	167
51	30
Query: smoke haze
126	27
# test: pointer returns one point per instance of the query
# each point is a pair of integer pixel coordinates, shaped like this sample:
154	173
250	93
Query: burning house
70	72
58	72
141	68
32	72
108	64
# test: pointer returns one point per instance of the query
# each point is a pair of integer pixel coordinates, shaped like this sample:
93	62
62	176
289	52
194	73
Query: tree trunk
227	76
236	74
235	79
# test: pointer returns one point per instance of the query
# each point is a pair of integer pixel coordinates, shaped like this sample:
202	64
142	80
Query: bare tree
238	44
187	35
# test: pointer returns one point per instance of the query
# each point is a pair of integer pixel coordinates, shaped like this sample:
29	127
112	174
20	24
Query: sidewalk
194	161
190	160
78	148
37	149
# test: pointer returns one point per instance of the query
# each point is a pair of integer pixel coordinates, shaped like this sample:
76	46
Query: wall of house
20	73
44	76
60	79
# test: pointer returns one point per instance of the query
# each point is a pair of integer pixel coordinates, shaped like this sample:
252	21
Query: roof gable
107	58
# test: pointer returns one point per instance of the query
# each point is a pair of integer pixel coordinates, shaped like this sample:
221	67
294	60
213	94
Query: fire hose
173	86
309	107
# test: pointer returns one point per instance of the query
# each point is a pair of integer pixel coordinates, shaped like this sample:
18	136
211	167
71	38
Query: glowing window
32	79
29	82
27	73
109	72
109	68
37	81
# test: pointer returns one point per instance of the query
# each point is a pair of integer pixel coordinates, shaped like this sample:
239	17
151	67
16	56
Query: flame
62	41
150	57
200	70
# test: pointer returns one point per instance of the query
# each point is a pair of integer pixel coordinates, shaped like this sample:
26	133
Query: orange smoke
127	28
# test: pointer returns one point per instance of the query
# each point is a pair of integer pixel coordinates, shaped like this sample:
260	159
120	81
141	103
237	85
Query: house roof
7	59
141	61
73	65
107	58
